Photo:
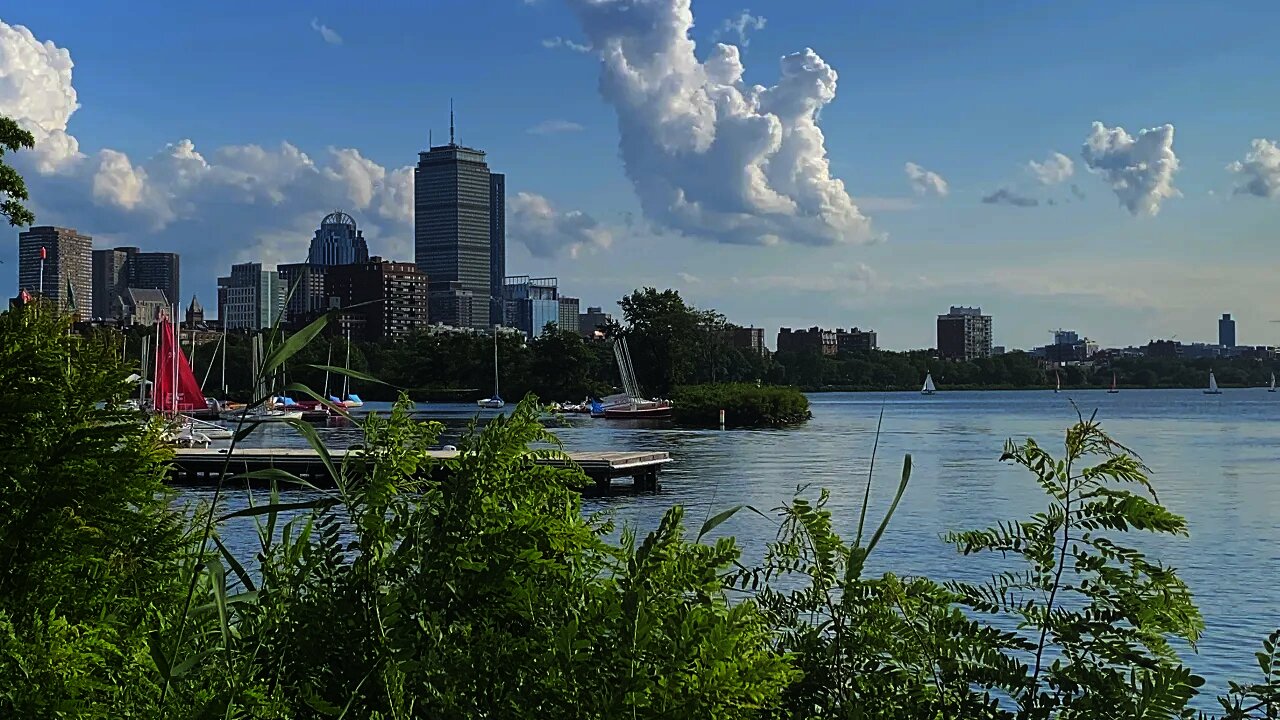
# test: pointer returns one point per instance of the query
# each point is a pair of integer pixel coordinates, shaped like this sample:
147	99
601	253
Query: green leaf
296	342
236	567
893	506
715	522
354	374
279	507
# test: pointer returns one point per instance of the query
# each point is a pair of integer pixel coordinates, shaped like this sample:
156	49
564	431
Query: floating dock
203	466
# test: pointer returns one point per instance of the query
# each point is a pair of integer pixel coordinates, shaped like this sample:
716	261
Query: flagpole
42	253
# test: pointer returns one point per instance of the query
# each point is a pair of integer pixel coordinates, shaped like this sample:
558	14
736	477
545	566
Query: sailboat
631	404
495	402
264	412
1113	389
929	387
1213	385
349	399
1273	383
1057	379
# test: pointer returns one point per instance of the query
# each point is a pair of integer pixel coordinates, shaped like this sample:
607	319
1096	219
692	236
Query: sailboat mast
495	361
346	379
155	399
224	359
328	360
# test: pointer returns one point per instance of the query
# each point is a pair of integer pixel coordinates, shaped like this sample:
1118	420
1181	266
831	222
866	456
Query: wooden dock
201	467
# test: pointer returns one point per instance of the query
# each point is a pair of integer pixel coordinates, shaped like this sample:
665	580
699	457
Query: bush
744	405
484	591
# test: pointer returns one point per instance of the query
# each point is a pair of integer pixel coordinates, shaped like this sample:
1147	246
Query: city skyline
964	182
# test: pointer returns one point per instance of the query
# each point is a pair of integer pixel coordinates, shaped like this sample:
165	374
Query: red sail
189	396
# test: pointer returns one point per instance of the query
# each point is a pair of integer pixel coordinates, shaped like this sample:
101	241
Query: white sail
1213	384
1273	382
929	387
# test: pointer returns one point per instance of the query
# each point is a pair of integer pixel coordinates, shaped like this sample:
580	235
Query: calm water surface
1213	459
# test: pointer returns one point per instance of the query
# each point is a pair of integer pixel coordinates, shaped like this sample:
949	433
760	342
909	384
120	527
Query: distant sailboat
1113	389
929	387
1057	382
1213	385
1273	383
495	402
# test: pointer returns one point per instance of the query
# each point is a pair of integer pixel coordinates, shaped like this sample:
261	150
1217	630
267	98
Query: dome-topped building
338	242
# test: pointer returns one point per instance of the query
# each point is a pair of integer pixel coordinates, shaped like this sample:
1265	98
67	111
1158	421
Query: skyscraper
497	243
451	231
110	280
964	333
250	298
156	270
115	270
67	266
1226	331
338	242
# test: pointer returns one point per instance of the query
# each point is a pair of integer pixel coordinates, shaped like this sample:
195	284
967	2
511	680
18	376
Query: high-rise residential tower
452	195
964	333
67	267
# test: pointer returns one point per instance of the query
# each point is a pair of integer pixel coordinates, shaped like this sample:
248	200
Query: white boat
495	402
929	388
261	414
1213	385
1273	383
631	404
1113	389
213	431
1057	382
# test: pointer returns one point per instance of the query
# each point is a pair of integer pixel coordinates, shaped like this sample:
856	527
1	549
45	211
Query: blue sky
969	91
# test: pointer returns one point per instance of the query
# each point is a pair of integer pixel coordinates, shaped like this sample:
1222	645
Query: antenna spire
451	121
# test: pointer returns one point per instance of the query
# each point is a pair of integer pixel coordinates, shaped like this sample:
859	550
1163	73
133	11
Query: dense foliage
744	405
477	587
13	189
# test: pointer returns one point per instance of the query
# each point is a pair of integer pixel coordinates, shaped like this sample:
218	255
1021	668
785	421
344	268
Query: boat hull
491	404
629	413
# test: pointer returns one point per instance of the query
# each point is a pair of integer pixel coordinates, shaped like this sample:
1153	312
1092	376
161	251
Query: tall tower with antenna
453	232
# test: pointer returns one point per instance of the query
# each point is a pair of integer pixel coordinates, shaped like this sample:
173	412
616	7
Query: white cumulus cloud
551	127
214	206
548	232
36	91
1055	169
329	35
925	182
740	25
1259	172
708	154
1139	169
559	42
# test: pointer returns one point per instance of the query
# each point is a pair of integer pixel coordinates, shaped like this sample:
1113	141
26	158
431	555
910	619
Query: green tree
13	190
92	557
669	340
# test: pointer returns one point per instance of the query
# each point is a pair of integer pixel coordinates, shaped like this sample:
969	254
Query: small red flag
42	255
24	296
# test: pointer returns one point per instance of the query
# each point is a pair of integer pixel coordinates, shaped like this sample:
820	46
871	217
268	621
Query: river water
1213	459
